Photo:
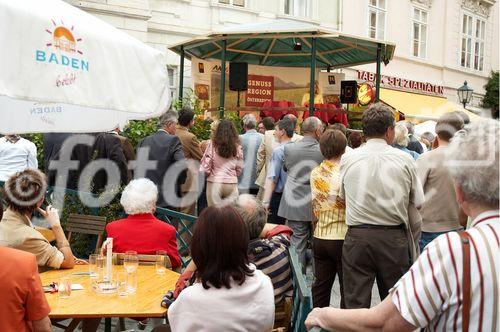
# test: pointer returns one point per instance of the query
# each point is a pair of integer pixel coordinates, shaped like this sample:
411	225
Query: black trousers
274	206
371	253
327	264
250	191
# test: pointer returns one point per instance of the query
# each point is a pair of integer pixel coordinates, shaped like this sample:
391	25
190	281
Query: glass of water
132	282
96	264
161	261
64	287
130	261
121	283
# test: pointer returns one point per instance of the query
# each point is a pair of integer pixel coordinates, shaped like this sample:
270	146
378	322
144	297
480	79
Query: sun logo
63	38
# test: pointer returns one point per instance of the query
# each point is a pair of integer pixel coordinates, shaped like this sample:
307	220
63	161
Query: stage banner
329	84
264	84
260	90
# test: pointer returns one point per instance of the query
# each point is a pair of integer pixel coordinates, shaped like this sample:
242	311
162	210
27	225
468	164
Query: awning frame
229	45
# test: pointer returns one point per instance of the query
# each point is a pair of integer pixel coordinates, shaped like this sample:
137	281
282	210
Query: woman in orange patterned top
329	210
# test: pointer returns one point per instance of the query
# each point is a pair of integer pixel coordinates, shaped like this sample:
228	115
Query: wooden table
88	304
47	233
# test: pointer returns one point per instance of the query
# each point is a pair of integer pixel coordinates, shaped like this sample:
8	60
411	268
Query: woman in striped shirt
434	294
330	229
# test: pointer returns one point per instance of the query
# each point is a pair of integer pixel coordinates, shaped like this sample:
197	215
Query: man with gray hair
413	143
268	247
299	160
250	142
166	150
453	286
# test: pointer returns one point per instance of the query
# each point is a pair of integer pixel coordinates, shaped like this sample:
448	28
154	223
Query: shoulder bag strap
466	294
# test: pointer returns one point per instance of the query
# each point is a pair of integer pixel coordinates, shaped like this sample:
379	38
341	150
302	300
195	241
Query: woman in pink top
222	163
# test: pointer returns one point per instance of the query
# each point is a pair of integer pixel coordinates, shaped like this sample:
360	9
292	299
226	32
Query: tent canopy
421	107
272	44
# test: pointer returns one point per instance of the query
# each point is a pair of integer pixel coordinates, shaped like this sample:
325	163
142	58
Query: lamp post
464	94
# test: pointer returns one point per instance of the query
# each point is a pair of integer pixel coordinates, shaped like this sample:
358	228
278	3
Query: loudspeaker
238	76
348	92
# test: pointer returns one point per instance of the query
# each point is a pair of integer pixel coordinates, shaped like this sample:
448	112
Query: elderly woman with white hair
141	231
402	138
453	285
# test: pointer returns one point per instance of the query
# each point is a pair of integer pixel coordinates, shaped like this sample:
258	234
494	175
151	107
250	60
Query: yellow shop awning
421	107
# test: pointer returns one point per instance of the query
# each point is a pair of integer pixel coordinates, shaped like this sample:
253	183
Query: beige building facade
441	42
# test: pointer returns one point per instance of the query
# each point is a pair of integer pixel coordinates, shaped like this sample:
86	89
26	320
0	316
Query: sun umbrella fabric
64	70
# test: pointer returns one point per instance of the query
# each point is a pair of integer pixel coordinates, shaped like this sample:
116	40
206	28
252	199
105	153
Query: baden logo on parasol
64	41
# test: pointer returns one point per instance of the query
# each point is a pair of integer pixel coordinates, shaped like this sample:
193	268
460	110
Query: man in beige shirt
440	211
265	153
24	195
381	190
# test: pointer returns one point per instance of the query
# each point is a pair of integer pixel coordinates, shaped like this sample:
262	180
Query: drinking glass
121	283
96	264
130	261
64	287
132	282
161	261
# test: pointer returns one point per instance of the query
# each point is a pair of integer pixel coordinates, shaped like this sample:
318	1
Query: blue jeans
428	237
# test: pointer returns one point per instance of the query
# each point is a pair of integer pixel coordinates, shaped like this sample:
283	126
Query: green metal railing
185	223
70	201
302	299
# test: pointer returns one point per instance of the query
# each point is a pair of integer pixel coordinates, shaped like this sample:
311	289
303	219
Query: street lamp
464	94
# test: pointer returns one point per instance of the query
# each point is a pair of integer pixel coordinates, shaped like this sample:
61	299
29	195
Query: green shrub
136	130
37	139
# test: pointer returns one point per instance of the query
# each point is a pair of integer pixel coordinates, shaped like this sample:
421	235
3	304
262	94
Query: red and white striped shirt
430	293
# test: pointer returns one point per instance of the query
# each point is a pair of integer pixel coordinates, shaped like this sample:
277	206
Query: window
240	3
472	48
300	8
419	33
376	18
479	45
172	81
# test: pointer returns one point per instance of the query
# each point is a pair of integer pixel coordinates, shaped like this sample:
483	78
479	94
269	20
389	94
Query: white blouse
247	307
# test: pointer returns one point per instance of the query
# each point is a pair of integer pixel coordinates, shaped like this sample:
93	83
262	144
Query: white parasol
64	70
426	126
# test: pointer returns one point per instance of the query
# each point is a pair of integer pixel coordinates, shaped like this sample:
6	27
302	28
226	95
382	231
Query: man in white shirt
434	294
16	154
381	190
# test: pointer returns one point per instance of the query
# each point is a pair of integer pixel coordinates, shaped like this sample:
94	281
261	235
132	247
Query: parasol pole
181	76
377	81
313	76
222	78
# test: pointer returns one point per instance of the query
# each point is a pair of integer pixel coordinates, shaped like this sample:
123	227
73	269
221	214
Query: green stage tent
276	44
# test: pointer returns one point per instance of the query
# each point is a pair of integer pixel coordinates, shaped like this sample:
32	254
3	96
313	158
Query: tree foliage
490	99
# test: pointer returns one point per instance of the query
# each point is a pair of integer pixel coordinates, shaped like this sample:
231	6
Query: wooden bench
283	315
86	224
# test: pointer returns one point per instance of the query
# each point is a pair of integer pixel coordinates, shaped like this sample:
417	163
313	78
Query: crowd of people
384	206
